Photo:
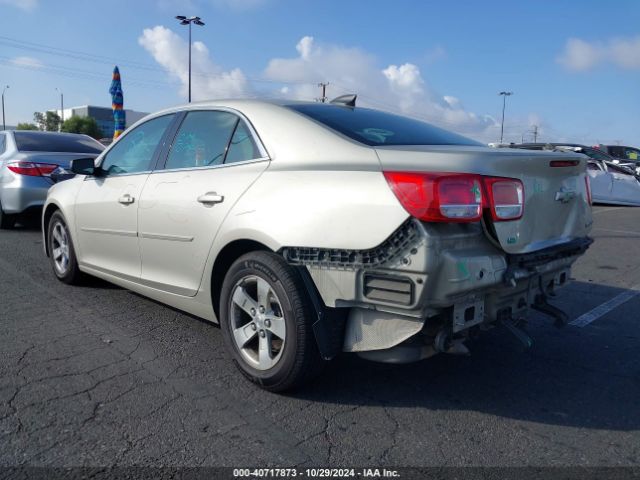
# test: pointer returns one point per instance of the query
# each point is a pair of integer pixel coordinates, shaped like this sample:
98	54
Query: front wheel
61	251
266	319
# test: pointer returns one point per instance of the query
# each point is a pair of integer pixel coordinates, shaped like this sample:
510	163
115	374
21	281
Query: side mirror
83	166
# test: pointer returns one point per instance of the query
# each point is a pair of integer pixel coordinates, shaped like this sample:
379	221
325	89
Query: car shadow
569	377
30	220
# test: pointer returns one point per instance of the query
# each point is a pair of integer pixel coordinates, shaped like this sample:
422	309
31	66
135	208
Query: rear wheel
61	251
266	319
6	221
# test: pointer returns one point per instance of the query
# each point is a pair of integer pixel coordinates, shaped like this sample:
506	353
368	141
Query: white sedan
612	185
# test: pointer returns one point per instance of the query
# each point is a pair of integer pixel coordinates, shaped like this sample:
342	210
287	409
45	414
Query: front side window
135	151
632	154
202	139
3	146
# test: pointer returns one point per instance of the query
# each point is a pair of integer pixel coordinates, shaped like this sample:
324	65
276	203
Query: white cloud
626	52
304	47
28	62
398	88
27	5
580	55
208	79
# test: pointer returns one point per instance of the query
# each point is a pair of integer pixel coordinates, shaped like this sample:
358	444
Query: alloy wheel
258	327
60	248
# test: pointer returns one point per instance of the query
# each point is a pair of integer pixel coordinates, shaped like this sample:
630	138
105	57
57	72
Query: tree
49	121
86	125
27	126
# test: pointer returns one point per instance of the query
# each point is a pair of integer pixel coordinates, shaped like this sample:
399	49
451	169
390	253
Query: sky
573	66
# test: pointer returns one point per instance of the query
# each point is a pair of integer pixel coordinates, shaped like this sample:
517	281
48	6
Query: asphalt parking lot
99	376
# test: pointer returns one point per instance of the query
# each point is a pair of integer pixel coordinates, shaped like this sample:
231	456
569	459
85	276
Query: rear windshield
376	128
56	142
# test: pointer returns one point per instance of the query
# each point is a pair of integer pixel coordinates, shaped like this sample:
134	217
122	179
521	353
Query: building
102	115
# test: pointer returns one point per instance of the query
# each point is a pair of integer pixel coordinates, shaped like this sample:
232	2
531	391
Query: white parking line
617	231
595	212
592	315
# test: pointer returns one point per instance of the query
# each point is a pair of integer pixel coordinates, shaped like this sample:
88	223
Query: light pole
4	127
61	108
504	102
188	21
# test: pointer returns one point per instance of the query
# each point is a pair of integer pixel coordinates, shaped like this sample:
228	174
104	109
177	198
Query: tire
65	265
292	357
7	221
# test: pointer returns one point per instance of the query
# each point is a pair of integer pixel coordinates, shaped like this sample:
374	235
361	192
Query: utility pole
188	21
4	127
535	133
504	103
61	109
323	86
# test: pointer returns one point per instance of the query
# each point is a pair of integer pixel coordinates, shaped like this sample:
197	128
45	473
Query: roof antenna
348	100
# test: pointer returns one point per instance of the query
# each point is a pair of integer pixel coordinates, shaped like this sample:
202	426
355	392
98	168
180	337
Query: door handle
210	198
126	199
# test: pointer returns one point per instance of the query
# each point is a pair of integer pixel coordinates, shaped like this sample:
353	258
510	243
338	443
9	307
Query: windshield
376	128
56	142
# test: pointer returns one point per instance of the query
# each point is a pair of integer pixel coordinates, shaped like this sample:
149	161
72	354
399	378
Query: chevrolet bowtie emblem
565	196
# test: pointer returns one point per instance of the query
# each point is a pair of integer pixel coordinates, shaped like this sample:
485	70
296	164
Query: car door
600	180
214	157
106	208
626	188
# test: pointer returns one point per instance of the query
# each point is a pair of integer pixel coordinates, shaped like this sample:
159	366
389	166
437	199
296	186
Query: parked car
591	152
622	154
613	185
307	229
27	161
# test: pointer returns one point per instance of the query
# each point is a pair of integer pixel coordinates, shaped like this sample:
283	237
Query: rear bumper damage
429	287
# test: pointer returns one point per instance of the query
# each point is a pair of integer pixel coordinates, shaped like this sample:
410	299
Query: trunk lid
556	208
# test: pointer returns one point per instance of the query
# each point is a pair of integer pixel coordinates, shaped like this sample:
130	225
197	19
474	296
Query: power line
89	57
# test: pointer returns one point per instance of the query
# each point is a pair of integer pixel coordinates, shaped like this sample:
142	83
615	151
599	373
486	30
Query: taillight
564	163
506	198
32	169
438	197
587	184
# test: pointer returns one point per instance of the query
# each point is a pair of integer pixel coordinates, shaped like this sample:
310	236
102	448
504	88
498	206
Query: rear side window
3	145
376	128
202	139
242	146
56	142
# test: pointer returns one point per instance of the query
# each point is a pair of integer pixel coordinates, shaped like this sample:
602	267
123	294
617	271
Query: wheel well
224	260
51	209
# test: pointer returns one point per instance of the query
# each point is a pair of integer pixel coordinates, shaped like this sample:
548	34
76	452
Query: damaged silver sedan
310	229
